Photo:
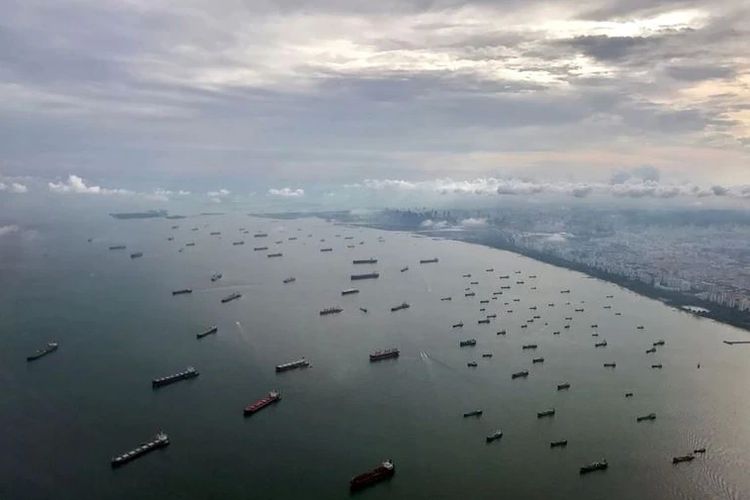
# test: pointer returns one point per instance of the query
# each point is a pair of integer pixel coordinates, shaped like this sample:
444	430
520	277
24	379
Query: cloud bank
287	192
77	185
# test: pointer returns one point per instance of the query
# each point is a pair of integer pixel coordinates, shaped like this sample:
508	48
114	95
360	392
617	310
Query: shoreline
491	239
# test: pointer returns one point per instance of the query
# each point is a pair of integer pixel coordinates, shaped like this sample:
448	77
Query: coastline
491	239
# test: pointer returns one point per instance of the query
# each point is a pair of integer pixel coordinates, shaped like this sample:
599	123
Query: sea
64	416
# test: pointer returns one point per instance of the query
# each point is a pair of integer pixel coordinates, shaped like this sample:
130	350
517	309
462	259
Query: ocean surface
64	416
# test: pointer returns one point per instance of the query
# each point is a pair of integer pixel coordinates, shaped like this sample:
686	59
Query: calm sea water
64	416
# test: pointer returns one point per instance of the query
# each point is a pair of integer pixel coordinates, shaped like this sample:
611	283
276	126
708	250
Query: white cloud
75	184
8	229
631	188
14	187
431	224
287	192
474	222
218	196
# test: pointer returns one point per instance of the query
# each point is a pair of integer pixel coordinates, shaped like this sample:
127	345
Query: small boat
628	394
556	332
683	458
494	436
537	360
458	325
610	365
467	342
471	364
650	416
521	374
651	351
563	386
658	343
486	354
699	450
473	413
216	276
603	343
181	292
546	413
657	365
290	279
136	255
529	346
501	332
349	291
639	327
559	444
483	322
470	294
490	270
466	275
594	466
404	269
445	299
272	255
364	310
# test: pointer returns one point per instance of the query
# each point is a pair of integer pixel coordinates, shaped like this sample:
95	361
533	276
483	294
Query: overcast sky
279	97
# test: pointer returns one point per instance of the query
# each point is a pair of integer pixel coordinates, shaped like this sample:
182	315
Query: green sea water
63	417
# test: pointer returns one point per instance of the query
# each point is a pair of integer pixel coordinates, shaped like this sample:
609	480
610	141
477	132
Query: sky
289	100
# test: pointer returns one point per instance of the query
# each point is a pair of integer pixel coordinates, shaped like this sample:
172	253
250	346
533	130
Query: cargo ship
191	244
326	249
564	386
290	279
483	322
271	398
444	299
603	343
546	413
650	416
259	249
117	247
189	372
384	354
473	413
159	441
470	294
683	458
399	307
216	276
537	360
229	298
260	235
610	365
330	310
467	342
136	255
292	365
214	233
529	346
238	243
182	291
459	325
559	444
349	291
365	276
211	330
428	261
384	471
494	436
40	353
404	269
272	255
365	261
594	466
522	373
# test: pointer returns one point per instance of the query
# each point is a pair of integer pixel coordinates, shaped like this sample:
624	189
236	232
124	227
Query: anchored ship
650	416
403	305
216	276
258	249
211	330
238	243
365	276
365	261
494	436
559	444
159	441
349	291
136	255
473	413
40	353
404	269
384	354
522	373
117	247
229	298
467	342
269	399
546	413
272	255
384	471
189	372
428	261
330	310
260	235
594	466
181	292
292	365
564	386
290	279
326	249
